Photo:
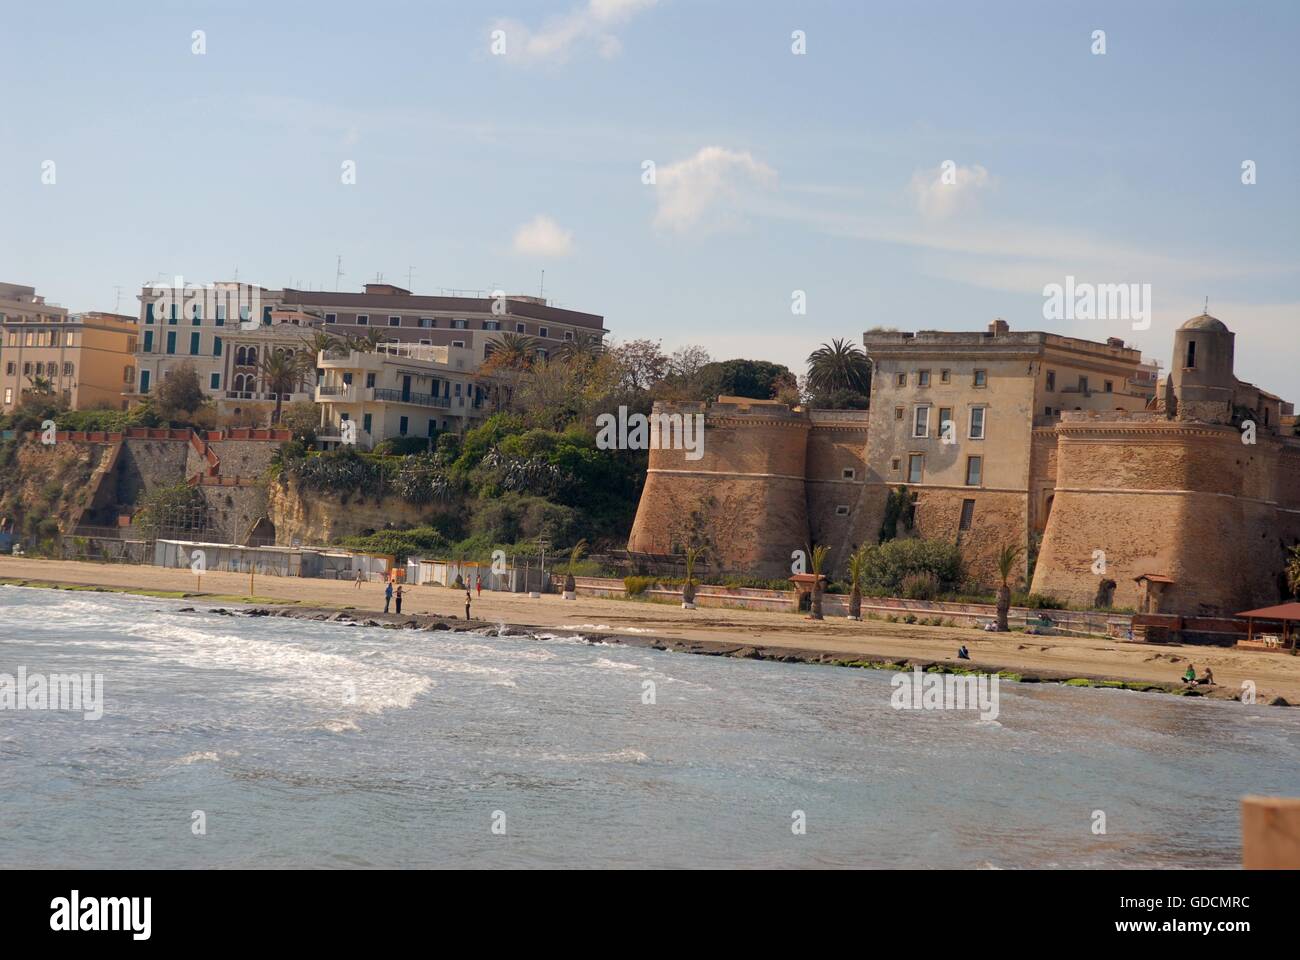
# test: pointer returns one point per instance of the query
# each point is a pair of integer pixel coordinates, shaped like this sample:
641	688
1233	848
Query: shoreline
874	646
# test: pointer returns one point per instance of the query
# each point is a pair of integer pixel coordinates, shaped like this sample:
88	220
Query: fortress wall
999	518
834	448
1042	475
1166	498
745	498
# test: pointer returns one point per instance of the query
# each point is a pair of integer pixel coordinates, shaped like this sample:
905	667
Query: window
458	389
491	324
842	510
895	463
144	381
148	313
1047	411
915	467
148	341
363	319
1108	386
11	368
216	346
67	369
172	316
171	341
921	423
9	395
402	425
967	514
848	473
67	339
898	413
266	316
519	328
128	374
196	316
974	471
945	376
194	344
214	381
543	332
394	321
1191	355
244	313
347	379
331	318
366	419
1051	381
901	380
977	423
980	378
433	428
568	335
945	423
460	324
1083	384
426	322
221	314
458	343
370	379
923	378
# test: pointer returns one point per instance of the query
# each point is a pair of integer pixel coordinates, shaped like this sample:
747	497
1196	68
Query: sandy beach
1054	657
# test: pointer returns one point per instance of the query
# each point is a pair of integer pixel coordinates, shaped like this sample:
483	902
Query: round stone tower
1201	372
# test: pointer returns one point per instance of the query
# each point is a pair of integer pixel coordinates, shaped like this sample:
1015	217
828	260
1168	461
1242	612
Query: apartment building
225	328
87	359
398	390
469	323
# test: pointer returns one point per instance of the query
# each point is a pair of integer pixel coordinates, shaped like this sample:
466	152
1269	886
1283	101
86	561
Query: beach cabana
1286	614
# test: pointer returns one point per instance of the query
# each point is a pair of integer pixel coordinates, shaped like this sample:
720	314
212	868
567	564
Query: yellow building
87	359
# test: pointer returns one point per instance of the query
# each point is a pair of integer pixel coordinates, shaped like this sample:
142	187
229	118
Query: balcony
417	399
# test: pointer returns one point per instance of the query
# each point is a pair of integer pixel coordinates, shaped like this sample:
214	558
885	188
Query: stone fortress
1174	494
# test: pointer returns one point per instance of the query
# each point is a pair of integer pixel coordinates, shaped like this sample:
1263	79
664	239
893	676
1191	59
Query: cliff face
45	489
321	518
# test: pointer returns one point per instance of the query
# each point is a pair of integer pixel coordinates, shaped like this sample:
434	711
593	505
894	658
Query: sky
918	166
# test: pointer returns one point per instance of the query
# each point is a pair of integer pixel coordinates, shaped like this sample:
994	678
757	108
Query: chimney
1115	342
998	327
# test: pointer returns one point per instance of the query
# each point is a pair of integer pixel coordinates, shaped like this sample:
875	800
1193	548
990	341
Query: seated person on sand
1208	679
963	653
1190	675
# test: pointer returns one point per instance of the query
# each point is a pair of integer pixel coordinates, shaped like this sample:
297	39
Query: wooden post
1270	833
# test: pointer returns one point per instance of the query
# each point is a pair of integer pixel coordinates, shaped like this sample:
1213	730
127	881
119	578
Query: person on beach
388	595
360	578
398	596
963	653
478	584
1208	679
1190	675
467	602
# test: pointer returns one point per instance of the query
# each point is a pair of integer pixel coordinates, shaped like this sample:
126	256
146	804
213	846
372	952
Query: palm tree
575	554
1006	563
857	573
366	343
514	351
321	342
41	386
817	562
839	365
584	346
281	371
693	556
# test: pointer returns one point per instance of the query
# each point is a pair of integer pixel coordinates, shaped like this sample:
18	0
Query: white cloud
709	188
543	237
556	40
947	189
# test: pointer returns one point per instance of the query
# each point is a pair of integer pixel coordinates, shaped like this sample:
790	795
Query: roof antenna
541	288
1207	306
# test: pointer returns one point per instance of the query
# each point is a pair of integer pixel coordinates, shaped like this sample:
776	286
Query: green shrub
923	585
637	585
889	563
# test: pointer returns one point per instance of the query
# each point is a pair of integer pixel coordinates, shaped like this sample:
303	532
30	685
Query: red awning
1283	611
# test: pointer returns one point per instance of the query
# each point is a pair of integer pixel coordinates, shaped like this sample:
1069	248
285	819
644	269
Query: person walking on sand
478	584
388	595
360	577
467	602
398	596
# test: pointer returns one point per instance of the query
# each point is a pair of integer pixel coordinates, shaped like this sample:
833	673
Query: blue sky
775	172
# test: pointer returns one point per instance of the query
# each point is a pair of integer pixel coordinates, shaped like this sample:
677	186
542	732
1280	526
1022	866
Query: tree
180	395
367	343
857	573
41	386
694	554
303	418
641	363
755	379
281	371
839	366
1293	571
575	554
1006	563
817	562
512	351
582	348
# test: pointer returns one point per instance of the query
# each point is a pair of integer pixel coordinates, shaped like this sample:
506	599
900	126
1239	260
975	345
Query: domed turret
1202	370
